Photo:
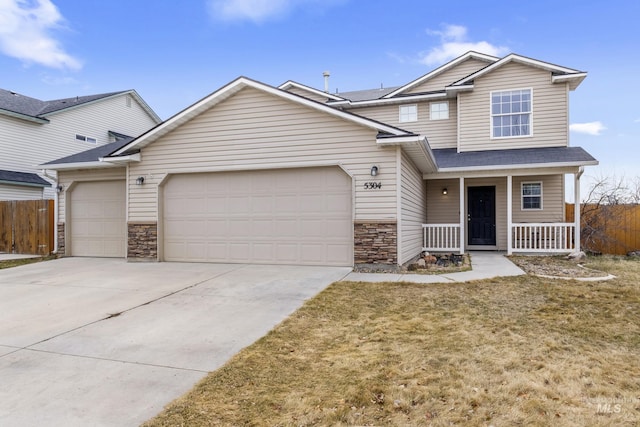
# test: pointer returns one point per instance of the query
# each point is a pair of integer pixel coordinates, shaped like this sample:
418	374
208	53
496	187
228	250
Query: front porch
488	221
551	238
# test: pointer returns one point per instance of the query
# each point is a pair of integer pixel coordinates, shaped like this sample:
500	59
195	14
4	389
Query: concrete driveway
87	341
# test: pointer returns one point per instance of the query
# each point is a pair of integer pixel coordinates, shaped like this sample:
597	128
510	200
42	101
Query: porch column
576	208
509	214
463	216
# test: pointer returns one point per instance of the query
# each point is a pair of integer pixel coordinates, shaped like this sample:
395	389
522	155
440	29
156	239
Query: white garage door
98	219
285	216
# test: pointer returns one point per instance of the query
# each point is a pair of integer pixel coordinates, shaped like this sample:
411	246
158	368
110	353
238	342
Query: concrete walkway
484	265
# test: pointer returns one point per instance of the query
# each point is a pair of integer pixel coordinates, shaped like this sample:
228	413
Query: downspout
55	210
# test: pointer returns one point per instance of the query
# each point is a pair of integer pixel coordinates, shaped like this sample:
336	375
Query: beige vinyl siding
413	210
439	133
307	94
255	130
26	144
552	199
440	81
549	116
20	192
68	178
443	209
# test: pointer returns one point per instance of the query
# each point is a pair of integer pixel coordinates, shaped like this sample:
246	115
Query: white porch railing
544	237
441	237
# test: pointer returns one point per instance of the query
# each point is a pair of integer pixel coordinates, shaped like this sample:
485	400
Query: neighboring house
33	132
470	156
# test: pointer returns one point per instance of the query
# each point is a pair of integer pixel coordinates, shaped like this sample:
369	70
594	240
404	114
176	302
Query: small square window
408	113
439	110
86	139
531	195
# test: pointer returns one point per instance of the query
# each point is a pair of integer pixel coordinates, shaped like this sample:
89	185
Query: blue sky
174	53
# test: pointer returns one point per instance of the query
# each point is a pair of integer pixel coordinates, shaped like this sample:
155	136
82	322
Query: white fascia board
455	89
290	83
121	159
79	165
232	88
441	69
519	59
399	140
383	101
573	79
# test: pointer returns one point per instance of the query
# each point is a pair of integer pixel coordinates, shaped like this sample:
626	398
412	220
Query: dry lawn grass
511	351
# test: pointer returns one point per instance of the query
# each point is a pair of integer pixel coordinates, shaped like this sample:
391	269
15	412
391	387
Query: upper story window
439	110
511	113
408	113
531	195
86	139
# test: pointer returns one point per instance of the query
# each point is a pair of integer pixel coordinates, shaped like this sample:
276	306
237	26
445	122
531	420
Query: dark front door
481	216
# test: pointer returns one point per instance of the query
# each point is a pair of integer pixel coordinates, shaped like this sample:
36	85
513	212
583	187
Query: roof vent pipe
326	75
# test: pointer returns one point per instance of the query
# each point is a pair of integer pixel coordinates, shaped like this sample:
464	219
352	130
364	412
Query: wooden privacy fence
610	229
26	227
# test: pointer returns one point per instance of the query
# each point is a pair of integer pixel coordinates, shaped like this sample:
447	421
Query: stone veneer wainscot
375	242
61	241
142	242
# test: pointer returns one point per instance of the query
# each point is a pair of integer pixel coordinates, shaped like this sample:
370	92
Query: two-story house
33	131
472	155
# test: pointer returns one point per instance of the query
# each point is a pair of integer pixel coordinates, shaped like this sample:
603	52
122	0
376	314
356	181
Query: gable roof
290	83
22	178
32	109
235	86
559	73
442	69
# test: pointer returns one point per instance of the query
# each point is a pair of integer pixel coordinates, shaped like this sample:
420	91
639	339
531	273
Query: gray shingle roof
94	154
366	95
21	104
449	158
31	179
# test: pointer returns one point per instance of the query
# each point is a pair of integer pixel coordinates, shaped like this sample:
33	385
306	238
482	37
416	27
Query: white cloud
591	128
454	42
260	10
25	27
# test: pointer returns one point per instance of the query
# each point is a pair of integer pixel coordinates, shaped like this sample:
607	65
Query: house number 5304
372	185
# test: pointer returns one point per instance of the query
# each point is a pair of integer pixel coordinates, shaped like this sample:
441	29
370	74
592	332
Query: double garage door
285	216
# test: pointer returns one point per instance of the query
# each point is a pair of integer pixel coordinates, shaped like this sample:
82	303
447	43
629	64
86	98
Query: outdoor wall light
59	188
445	191
374	170
140	180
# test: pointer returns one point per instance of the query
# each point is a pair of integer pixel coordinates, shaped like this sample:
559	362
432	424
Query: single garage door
284	216
98	219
